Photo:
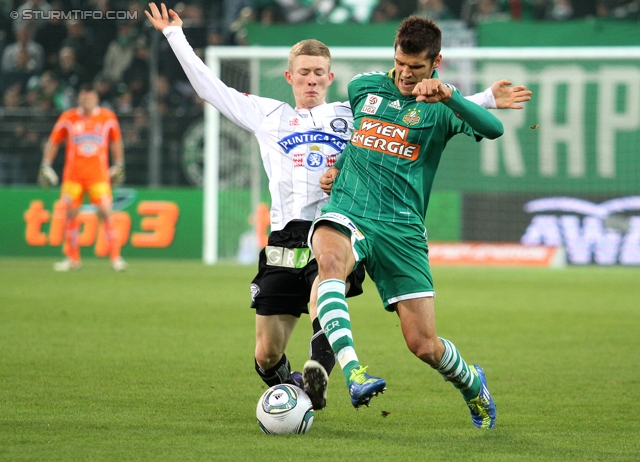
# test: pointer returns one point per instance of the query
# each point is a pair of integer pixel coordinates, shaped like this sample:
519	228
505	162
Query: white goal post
473	68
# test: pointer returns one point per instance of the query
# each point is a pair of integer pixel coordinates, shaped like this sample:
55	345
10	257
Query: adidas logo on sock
395	104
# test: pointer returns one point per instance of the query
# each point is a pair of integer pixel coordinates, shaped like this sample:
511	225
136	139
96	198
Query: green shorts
396	256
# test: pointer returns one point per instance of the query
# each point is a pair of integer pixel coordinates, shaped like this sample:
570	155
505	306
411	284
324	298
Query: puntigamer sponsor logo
386	138
290	142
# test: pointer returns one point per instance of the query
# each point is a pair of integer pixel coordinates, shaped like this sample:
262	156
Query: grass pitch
157	364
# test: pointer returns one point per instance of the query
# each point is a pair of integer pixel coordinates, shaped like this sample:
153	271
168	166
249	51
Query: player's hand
116	174
160	20
432	91
506	96
47	176
326	180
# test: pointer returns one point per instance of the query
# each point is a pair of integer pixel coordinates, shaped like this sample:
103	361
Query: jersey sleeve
60	129
483	123
115	134
246	111
484	99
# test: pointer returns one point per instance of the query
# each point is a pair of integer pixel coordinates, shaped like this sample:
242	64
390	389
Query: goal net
566	172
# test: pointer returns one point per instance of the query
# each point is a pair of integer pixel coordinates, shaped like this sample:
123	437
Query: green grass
157	364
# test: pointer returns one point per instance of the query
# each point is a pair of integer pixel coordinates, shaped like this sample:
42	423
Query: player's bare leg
71	247
117	262
418	323
272	337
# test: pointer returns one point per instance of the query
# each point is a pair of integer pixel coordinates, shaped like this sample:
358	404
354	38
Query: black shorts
285	276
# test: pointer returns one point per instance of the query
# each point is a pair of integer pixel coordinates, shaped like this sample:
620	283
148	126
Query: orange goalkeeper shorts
99	193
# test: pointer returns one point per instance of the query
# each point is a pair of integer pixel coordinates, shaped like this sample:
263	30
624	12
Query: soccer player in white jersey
297	146
403	120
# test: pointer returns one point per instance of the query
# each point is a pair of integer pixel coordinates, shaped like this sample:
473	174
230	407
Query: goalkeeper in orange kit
89	131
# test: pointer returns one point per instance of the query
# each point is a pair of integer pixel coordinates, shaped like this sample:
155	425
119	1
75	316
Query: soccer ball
284	409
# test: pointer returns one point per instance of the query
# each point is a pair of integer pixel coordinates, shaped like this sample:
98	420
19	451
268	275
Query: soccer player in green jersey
403	120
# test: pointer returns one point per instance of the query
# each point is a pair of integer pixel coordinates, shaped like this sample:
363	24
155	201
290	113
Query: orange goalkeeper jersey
88	139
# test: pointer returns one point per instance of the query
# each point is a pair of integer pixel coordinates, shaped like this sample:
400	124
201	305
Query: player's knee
268	357
331	265
425	349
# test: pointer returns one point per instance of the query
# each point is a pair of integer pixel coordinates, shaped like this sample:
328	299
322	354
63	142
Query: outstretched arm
500	95
507	96
161	20
478	118
245	111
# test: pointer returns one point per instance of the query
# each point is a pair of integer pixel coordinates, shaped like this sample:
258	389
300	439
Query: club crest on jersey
294	122
371	104
315	159
339	125
412	116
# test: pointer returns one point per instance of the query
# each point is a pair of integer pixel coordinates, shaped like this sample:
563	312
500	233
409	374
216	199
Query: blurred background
46	56
45	60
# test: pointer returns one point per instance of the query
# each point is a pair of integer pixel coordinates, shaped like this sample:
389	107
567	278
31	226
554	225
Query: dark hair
417	35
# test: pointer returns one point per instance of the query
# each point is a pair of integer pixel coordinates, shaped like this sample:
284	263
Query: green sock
333	314
453	368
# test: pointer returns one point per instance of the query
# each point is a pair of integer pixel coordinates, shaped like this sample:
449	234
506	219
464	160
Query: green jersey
387	170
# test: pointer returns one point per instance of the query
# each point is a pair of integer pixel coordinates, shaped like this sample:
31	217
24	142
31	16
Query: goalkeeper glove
116	174
47	176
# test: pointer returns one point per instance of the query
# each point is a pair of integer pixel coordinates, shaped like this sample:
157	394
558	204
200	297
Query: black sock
321	349
280	373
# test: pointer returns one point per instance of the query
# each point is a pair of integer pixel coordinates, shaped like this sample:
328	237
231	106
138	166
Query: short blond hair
310	47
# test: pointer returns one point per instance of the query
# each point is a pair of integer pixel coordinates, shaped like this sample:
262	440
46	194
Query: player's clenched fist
432	91
327	178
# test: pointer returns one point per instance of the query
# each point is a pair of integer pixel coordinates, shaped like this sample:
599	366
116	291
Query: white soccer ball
284	409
